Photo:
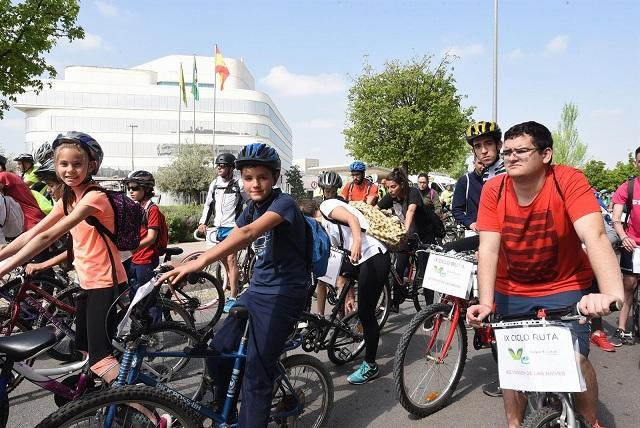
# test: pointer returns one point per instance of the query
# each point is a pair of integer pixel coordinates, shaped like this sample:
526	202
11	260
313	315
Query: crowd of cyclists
538	229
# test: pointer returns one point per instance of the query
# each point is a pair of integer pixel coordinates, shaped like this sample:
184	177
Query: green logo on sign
517	355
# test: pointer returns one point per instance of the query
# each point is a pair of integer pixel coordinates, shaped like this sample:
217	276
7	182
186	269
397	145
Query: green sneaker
229	304
364	374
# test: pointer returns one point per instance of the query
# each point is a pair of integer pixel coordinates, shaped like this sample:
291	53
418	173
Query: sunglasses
223	165
133	188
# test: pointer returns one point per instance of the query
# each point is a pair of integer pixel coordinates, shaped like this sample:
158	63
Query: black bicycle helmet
86	141
329	180
43	153
24	157
47	170
226	159
258	154
142	178
483	129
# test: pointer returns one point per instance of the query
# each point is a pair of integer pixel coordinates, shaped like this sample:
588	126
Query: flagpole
179	106
215	91
194	77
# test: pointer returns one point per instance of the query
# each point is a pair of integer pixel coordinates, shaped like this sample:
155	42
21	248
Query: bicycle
547	408
291	403
432	352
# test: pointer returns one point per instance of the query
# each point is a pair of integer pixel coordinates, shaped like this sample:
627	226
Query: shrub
182	220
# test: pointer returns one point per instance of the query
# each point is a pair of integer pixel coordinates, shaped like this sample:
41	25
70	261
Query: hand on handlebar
596	305
202	229
33	268
476	314
175	275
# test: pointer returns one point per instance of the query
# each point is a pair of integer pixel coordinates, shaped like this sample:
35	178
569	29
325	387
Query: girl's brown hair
400	177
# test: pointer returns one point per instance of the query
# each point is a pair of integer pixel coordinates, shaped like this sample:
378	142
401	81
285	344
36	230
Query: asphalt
375	404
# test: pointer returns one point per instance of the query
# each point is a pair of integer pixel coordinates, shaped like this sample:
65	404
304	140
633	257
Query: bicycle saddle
172	251
25	345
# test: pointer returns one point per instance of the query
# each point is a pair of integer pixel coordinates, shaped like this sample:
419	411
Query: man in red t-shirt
630	241
12	185
360	188
532	224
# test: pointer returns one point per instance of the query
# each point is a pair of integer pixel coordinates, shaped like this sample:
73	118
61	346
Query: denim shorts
511	305
223	232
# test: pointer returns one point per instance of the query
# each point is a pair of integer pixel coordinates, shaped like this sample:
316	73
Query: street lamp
132	126
494	115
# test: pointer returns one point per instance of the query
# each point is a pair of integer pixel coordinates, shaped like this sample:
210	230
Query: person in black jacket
466	197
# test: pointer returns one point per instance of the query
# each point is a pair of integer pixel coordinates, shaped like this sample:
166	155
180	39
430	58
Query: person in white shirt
225	198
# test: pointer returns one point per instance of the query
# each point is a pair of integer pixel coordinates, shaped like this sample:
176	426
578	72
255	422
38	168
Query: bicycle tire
548	417
384	303
420	299
86	408
339	351
216	268
65	349
201	293
176	372
4	411
29	315
299	370
406	370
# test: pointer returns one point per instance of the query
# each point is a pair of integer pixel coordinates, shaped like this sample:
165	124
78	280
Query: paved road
375	405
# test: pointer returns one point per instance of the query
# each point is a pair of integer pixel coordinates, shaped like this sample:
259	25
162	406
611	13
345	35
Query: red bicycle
432	352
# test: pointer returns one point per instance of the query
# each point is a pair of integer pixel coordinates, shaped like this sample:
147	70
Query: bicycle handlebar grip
615	306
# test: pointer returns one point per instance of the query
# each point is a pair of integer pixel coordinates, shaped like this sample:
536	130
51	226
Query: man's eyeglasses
133	188
519	153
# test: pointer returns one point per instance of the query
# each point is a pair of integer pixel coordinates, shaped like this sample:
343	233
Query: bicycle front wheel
313	388
94	410
425	376
200	294
344	347
549	417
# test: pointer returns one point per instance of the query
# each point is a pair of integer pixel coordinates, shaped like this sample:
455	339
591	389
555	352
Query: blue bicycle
303	392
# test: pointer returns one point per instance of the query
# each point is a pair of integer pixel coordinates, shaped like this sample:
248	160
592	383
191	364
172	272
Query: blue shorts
222	233
512	305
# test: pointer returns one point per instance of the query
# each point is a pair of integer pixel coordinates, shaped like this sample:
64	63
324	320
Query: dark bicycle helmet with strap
43	153
483	129
226	159
24	157
258	154
142	178
47	171
86	142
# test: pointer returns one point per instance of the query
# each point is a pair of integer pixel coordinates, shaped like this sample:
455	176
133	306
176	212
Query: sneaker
492	389
229	304
625	337
364	374
599	339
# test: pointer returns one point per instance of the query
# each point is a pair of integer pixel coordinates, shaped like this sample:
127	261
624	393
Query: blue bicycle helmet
258	154
357	166
86	141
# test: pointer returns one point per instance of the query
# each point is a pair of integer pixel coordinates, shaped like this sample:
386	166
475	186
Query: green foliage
28	30
189	174
294	179
567	148
407	113
602	178
182	220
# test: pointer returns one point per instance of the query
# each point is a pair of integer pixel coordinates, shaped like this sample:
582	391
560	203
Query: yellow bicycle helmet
483	129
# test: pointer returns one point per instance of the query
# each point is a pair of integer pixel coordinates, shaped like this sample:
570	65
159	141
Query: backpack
387	230
128	216
318	246
163	234
235	188
628	206
13	223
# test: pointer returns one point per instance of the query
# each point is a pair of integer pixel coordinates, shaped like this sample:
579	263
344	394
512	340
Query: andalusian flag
221	68
194	82
183	89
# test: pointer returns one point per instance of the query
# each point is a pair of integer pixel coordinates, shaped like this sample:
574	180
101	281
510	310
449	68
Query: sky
306	54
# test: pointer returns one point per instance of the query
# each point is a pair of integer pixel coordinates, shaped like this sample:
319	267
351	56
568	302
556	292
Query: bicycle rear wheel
313	387
200	294
423	382
549	417
93	409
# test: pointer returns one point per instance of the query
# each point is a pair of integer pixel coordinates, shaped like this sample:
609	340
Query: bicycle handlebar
568	313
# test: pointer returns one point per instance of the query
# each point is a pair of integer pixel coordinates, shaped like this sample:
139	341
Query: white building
133	113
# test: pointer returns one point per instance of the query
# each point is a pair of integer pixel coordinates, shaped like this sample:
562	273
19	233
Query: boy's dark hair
308	207
541	135
424	174
637	151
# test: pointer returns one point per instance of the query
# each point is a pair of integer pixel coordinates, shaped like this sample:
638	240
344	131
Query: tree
567	148
188	175
408	114
294	179
28	30
602	178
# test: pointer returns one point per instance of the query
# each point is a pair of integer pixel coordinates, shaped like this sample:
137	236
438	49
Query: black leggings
372	277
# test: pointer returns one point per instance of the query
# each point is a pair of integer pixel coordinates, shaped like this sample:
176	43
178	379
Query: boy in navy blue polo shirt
277	292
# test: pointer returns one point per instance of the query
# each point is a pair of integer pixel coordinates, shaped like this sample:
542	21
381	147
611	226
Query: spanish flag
183	90
221	68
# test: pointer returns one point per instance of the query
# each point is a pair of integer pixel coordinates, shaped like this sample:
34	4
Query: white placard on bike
542	359
333	268
636	260
141	293
448	275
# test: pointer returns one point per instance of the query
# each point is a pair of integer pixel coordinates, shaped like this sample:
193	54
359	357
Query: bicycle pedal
345	354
